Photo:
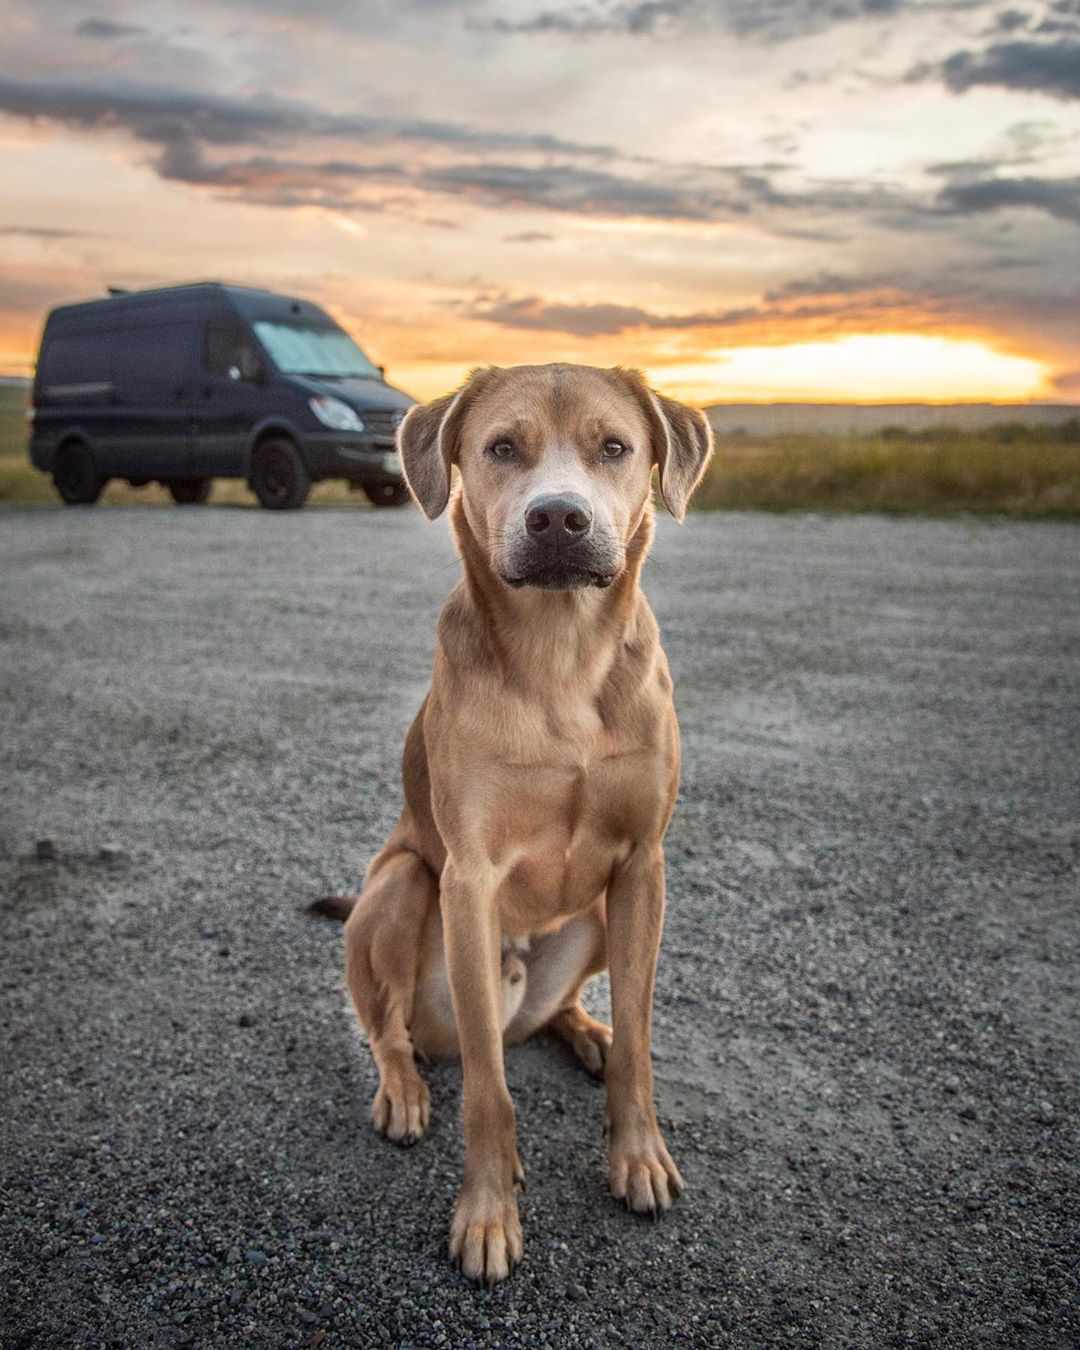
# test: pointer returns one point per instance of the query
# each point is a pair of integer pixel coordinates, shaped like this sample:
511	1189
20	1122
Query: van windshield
301	349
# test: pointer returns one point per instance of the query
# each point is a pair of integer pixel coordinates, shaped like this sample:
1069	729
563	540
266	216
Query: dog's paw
485	1235
592	1045
642	1173
402	1107
589	1039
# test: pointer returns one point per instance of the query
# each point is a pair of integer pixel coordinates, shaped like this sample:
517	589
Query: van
186	384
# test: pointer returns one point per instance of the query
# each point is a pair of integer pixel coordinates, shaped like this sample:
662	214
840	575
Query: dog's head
555	464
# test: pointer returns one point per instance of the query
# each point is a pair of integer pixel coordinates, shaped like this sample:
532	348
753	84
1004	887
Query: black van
189	383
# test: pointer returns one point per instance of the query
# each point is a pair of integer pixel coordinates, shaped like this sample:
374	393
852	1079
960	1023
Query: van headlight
332	413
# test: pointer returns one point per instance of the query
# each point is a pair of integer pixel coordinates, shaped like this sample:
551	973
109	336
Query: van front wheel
386	494
75	475
189	491
279	477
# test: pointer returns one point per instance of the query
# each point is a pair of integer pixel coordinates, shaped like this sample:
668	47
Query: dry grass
1011	470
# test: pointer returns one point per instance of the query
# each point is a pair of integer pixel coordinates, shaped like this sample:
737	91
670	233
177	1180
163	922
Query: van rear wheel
386	494
75	475
189	491
279	477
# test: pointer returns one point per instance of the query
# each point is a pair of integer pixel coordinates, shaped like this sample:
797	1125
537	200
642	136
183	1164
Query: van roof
250	301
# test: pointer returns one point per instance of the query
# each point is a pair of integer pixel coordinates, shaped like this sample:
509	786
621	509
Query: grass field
1012	470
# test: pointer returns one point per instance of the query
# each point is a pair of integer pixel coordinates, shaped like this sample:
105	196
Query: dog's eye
613	449
503	449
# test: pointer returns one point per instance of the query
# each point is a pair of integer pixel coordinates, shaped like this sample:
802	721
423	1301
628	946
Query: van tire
279	477
189	491
386	494
75	475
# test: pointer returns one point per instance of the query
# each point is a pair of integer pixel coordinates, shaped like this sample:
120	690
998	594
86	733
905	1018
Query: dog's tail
333	906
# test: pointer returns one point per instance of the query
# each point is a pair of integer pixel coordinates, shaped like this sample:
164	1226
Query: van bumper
358	458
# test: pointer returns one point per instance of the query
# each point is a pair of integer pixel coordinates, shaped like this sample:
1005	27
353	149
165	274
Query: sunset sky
749	199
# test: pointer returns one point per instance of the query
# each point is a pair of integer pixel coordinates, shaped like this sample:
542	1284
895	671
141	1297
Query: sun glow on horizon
860	368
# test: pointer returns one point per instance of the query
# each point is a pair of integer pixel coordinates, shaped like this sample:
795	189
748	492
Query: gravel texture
867	1019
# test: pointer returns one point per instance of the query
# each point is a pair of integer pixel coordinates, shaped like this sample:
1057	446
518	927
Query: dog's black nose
553	516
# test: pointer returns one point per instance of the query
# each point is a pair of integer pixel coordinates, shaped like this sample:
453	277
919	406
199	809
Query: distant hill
861	419
13	381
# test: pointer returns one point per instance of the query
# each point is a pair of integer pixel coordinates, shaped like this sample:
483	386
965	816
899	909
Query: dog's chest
567	827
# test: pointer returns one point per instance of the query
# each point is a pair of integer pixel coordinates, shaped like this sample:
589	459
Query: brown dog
540	775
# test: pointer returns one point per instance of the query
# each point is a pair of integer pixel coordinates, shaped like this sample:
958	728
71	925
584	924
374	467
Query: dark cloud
585	19
607	320
1067	382
106	30
823	283
528	237
167	115
1009	20
568	187
1057	197
1050	68
770	21
41	232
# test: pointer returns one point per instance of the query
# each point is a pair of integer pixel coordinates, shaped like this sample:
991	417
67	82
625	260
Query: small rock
952	1085
45	850
254	1257
245	1020
967	1112
1046	1112
577	1292
111	853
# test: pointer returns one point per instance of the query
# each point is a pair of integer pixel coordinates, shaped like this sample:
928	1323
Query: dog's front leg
640	1168
485	1235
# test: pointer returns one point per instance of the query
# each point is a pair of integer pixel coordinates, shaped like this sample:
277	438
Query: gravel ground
867	1019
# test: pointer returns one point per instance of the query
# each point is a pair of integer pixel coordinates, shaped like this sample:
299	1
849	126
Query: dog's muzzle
559	548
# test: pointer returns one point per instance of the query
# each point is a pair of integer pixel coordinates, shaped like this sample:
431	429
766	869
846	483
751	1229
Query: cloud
568	187
822	283
608	319
771	21
1067	382
1009	20
106	30
528	237
1058	197
641	18
166	116
41	232
1046	68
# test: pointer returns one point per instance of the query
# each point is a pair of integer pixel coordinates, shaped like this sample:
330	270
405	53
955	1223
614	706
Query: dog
540	775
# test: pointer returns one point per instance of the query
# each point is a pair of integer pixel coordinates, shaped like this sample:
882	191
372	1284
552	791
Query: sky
821	200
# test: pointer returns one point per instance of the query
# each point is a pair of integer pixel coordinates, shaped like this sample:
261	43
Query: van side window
228	347
152	358
76	364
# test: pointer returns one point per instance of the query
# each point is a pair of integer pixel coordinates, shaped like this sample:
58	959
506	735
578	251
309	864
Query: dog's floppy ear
427	441
426	455
682	443
683	451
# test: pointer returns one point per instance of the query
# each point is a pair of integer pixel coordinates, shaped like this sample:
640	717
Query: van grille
382	421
